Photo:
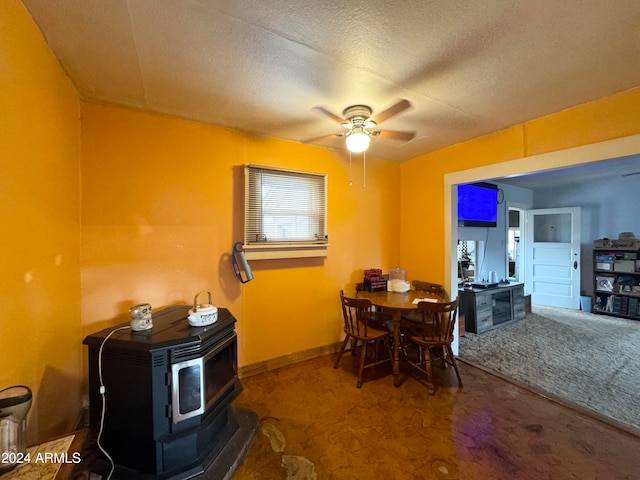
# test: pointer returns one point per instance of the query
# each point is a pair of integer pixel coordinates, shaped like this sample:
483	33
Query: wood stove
168	393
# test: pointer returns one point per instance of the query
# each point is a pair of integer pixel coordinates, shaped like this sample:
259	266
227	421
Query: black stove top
170	329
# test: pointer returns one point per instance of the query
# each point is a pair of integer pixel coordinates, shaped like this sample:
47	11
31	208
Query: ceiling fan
360	126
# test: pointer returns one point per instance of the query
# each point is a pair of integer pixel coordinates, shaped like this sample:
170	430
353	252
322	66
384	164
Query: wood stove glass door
220	370
187	391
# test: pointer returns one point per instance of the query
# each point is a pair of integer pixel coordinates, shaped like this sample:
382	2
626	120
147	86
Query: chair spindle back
433	288
354	313
439	320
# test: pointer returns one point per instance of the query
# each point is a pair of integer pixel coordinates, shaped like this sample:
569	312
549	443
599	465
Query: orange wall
162	207
40	340
422	232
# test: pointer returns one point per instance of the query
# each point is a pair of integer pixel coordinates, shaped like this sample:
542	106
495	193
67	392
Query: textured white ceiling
468	67
586	173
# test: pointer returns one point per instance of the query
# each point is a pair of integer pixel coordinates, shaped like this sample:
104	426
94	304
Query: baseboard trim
285	360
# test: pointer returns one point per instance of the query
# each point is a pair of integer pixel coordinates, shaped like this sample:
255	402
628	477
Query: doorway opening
468	260
515	252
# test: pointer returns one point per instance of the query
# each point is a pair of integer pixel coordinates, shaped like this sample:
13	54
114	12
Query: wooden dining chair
363	330
433	335
434	289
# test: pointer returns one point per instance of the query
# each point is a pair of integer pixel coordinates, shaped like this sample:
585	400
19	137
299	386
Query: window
285	213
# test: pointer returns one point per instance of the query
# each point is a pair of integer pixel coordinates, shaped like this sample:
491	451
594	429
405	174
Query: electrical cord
103	391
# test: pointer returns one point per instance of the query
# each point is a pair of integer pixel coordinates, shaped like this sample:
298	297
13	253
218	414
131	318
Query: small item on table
398	281
397	285
374	281
418	300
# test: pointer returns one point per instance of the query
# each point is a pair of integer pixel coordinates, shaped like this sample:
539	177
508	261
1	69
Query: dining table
394	304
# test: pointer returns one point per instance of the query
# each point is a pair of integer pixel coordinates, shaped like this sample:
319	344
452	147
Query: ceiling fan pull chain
350	177
364	169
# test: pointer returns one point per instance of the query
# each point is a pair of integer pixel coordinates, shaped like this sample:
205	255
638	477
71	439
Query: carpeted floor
592	361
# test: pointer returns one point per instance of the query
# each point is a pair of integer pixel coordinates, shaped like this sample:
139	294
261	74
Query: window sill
284	250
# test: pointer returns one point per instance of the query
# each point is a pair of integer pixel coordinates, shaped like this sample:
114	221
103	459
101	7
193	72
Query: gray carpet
592	361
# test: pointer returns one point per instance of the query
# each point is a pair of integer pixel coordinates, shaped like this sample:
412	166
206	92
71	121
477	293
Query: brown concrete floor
315	423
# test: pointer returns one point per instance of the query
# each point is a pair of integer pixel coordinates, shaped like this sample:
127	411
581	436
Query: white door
553	257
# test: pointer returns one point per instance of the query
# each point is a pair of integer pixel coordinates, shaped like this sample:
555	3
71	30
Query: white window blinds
284	207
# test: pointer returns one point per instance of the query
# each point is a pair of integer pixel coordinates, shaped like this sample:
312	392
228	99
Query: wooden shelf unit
616	282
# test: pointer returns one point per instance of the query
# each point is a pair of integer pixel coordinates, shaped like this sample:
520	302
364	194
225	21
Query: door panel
551	288
552	271
553	257
552	254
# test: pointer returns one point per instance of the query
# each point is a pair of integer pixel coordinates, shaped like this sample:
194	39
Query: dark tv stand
488	308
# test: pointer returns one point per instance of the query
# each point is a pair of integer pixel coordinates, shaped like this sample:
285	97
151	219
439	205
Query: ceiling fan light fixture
358	140
361	126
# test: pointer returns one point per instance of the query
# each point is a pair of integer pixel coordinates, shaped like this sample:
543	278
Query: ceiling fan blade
322	138
396	135
331	115
391	111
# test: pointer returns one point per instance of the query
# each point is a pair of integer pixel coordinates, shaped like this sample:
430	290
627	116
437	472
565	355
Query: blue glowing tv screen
477	205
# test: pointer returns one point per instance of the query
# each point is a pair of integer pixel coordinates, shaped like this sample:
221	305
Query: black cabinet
487	308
